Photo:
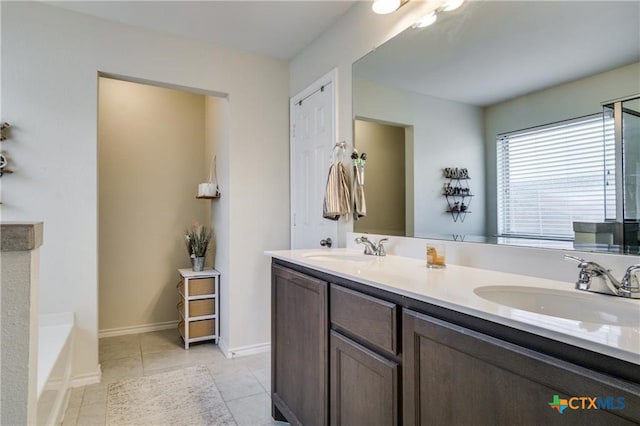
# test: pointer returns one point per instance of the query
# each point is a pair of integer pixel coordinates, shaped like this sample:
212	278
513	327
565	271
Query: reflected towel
337	197
359	203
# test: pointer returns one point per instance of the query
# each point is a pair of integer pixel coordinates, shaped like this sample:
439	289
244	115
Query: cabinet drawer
198	328
198	308
364	316
198	286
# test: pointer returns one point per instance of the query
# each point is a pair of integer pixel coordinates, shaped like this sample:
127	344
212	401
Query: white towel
336	198
359	203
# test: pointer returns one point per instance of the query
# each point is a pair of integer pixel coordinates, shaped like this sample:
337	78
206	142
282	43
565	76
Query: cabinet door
455	376
364	385
299	334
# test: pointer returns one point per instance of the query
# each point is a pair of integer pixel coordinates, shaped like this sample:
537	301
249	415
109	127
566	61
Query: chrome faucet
373	249
630	282
627	287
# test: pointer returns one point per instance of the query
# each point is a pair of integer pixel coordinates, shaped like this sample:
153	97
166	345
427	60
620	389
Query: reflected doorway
385	177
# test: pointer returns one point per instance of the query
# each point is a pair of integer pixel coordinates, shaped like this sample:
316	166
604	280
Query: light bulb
450	5
382	7
426	20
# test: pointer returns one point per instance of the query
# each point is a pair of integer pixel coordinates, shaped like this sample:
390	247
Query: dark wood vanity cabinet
299	342
456	376
342	356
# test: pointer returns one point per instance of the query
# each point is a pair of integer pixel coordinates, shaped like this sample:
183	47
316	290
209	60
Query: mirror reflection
523	95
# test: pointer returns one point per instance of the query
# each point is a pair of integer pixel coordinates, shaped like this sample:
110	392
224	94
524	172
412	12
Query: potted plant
197	240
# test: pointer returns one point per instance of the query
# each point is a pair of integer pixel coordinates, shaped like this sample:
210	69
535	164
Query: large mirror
442	96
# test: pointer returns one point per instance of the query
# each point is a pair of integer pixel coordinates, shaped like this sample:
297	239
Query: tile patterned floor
243	382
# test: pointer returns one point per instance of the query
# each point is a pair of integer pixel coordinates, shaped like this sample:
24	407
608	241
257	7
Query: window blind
554	175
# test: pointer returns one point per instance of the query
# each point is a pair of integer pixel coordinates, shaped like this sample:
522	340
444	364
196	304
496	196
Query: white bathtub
55	349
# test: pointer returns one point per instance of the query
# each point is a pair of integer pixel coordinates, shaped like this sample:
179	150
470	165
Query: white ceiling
483	53
491	51
274	28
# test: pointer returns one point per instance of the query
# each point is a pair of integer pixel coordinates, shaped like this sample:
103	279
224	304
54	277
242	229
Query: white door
313	135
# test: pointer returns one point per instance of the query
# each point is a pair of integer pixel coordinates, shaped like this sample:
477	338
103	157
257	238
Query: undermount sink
573	305
333	257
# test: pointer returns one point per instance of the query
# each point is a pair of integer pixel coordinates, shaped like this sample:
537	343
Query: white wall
563	102
50	60
445	134
217	143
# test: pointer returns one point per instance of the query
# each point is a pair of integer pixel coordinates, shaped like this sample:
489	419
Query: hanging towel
336	198
359	203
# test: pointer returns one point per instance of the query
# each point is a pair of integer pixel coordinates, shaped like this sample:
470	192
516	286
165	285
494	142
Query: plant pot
197	264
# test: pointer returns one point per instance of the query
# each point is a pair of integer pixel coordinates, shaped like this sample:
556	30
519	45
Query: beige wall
150	150
384	177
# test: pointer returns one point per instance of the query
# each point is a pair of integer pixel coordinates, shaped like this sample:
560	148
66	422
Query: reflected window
554	175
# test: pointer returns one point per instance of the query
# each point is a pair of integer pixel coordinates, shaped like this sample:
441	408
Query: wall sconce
383	7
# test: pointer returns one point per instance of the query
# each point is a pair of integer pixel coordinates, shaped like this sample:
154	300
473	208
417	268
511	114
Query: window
554	175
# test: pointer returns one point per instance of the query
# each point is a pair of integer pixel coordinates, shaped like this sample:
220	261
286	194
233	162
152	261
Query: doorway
313	135
152	142
385	177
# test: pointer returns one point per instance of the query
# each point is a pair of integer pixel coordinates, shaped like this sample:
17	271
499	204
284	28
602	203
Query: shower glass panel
631	171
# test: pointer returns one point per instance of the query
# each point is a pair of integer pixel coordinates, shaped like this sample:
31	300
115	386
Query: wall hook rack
457	193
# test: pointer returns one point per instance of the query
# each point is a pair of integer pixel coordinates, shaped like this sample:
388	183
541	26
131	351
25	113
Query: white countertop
453	288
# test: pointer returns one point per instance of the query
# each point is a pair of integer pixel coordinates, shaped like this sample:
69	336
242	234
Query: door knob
326	242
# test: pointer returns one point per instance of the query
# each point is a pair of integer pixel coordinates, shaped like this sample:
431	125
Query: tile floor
244	382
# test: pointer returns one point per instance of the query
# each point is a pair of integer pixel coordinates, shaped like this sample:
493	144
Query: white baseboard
121	331
87	379
243	350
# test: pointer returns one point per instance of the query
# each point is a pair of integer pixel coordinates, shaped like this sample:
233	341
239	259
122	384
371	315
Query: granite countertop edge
20	236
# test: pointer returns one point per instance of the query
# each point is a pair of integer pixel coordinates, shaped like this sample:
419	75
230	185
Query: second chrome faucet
371	248
627	287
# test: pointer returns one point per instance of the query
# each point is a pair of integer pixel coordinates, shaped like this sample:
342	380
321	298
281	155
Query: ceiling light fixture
383	7
430	18
426	20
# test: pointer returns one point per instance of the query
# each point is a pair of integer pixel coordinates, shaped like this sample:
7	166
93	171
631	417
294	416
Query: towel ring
342	150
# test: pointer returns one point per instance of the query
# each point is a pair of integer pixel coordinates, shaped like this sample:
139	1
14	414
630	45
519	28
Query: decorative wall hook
4	126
